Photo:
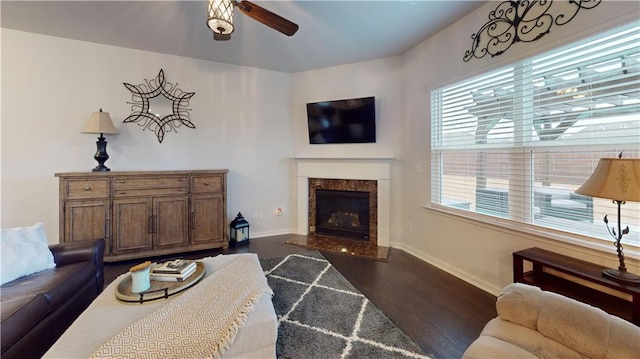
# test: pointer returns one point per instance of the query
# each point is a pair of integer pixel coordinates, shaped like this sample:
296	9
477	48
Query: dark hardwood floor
442	313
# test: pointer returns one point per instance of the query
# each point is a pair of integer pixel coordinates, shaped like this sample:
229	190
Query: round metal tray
159	289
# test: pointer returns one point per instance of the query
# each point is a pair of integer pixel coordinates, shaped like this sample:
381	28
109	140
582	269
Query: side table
590	272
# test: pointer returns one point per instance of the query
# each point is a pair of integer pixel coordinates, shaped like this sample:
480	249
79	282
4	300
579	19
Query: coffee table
107	316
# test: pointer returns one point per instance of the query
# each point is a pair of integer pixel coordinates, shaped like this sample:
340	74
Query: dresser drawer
149	182
148	192
84	188
204	184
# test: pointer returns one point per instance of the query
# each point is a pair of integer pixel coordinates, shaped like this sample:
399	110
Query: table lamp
617	179
100	122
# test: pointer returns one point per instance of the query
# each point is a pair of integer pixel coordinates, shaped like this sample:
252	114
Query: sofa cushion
57	285
624	339
571	323
24	251
489	347
522	337
19	315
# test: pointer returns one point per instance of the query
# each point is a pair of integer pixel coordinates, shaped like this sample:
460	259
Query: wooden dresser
144	214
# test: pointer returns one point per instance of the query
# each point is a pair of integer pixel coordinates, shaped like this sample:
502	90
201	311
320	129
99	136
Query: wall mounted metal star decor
526	21
159	106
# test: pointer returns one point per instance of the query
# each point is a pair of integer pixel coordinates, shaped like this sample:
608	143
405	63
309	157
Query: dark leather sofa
38	308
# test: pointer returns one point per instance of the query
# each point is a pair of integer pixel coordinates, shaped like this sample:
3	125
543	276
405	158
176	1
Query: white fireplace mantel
378	169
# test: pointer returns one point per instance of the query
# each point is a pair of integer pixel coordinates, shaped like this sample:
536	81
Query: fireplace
342	214
370	175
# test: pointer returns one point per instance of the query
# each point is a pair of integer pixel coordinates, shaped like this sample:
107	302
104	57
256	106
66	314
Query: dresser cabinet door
86	220
132	225
207	225
171	227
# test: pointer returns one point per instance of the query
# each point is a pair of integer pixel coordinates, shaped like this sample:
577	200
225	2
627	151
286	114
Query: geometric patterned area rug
322	315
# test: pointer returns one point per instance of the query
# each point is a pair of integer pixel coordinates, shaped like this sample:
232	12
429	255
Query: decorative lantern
239	231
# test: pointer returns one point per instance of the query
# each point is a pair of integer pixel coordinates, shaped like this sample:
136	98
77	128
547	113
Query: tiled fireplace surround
371	169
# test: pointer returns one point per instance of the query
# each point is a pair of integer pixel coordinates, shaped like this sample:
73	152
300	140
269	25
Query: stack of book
176	270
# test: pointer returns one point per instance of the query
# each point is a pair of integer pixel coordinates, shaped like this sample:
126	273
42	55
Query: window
515	143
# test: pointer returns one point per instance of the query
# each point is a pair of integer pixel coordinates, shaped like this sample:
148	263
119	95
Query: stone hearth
370	175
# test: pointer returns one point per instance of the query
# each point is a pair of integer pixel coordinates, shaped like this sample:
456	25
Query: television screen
342	121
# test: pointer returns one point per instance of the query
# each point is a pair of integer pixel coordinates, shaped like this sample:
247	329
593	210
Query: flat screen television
342	121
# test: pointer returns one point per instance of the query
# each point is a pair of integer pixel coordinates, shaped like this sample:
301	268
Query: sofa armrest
86	251
67	253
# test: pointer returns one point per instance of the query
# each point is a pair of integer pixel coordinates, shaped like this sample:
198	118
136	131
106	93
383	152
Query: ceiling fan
220	19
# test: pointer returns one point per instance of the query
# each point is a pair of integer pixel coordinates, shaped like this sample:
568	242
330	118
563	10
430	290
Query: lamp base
101	155
101	168
620	276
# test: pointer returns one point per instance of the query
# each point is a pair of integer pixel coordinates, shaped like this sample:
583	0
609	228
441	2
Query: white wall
380	78
50	87
476	252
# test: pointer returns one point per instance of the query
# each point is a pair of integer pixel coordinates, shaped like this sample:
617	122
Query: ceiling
331	32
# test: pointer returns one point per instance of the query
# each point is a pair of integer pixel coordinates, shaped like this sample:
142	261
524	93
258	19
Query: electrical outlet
279	211
255	215
409	227
418	167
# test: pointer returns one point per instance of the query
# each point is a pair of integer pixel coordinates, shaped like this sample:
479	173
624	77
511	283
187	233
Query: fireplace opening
343	213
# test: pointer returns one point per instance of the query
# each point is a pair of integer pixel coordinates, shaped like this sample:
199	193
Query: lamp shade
100	122
220	19
614	178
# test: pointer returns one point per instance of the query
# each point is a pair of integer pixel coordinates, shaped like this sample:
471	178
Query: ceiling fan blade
221	37
268	18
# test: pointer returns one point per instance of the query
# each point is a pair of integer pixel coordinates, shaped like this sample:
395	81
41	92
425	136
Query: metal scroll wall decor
526	21
159	106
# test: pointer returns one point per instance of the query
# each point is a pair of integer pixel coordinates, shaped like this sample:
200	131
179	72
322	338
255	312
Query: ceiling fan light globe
220	26
220	19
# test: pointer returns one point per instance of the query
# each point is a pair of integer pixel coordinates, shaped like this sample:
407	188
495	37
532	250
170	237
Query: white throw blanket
200	323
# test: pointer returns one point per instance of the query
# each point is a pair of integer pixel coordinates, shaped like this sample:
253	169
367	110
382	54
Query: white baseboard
469	278
278	232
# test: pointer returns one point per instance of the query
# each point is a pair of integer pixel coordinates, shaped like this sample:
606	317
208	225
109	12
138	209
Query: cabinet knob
87	188
206	183
179	179
121	181
122	192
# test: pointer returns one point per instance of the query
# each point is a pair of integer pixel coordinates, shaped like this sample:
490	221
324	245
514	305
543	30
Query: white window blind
515	143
